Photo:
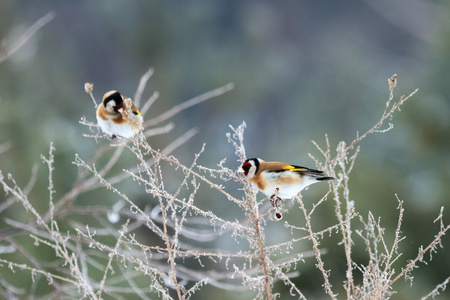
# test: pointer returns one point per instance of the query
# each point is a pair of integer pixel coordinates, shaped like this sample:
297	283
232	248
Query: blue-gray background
301	69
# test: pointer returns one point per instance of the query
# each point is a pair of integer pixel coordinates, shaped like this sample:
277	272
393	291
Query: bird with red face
279	180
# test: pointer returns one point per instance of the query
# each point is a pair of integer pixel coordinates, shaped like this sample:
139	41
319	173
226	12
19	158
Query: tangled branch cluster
114	256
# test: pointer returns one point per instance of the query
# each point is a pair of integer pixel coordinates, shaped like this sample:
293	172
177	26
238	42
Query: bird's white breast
109	127
288	183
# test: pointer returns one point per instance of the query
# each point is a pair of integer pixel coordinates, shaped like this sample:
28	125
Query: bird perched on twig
279	180
118	117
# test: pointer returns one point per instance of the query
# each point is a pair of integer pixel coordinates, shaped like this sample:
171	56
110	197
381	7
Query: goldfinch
279	180
118	117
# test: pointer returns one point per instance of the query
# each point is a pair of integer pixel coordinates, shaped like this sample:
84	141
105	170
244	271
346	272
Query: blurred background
300	69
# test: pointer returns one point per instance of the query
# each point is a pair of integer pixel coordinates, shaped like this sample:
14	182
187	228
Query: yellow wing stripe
292	168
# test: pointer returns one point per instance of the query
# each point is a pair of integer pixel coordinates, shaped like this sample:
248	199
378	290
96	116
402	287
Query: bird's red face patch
246	167
118	106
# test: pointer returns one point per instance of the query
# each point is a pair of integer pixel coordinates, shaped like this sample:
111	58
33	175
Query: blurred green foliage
300	69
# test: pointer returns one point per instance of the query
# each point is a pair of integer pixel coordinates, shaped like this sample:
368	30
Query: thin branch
422	252
142	85
442	286
108	265
189	103
320	264
7	53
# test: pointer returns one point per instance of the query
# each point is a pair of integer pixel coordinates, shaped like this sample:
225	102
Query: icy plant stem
421	254
262	255
316	250
108	265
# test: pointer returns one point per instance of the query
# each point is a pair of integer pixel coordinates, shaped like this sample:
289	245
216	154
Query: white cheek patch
110	106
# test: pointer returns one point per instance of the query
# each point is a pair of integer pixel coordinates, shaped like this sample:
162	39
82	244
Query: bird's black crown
114	96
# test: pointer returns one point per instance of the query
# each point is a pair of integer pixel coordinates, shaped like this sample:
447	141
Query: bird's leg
277	200
274	199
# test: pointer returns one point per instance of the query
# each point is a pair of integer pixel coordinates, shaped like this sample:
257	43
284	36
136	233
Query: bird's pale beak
240	170
120	110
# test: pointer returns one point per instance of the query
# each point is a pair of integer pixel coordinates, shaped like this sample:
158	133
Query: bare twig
142	85
442	286
194	101
421	254
7	53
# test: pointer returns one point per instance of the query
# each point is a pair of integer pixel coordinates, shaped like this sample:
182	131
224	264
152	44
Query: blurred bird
118	116
279	180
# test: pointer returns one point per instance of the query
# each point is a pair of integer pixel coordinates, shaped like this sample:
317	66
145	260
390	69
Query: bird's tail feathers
324	178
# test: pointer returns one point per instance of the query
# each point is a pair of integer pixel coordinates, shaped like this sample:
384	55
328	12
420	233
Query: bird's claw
274	200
